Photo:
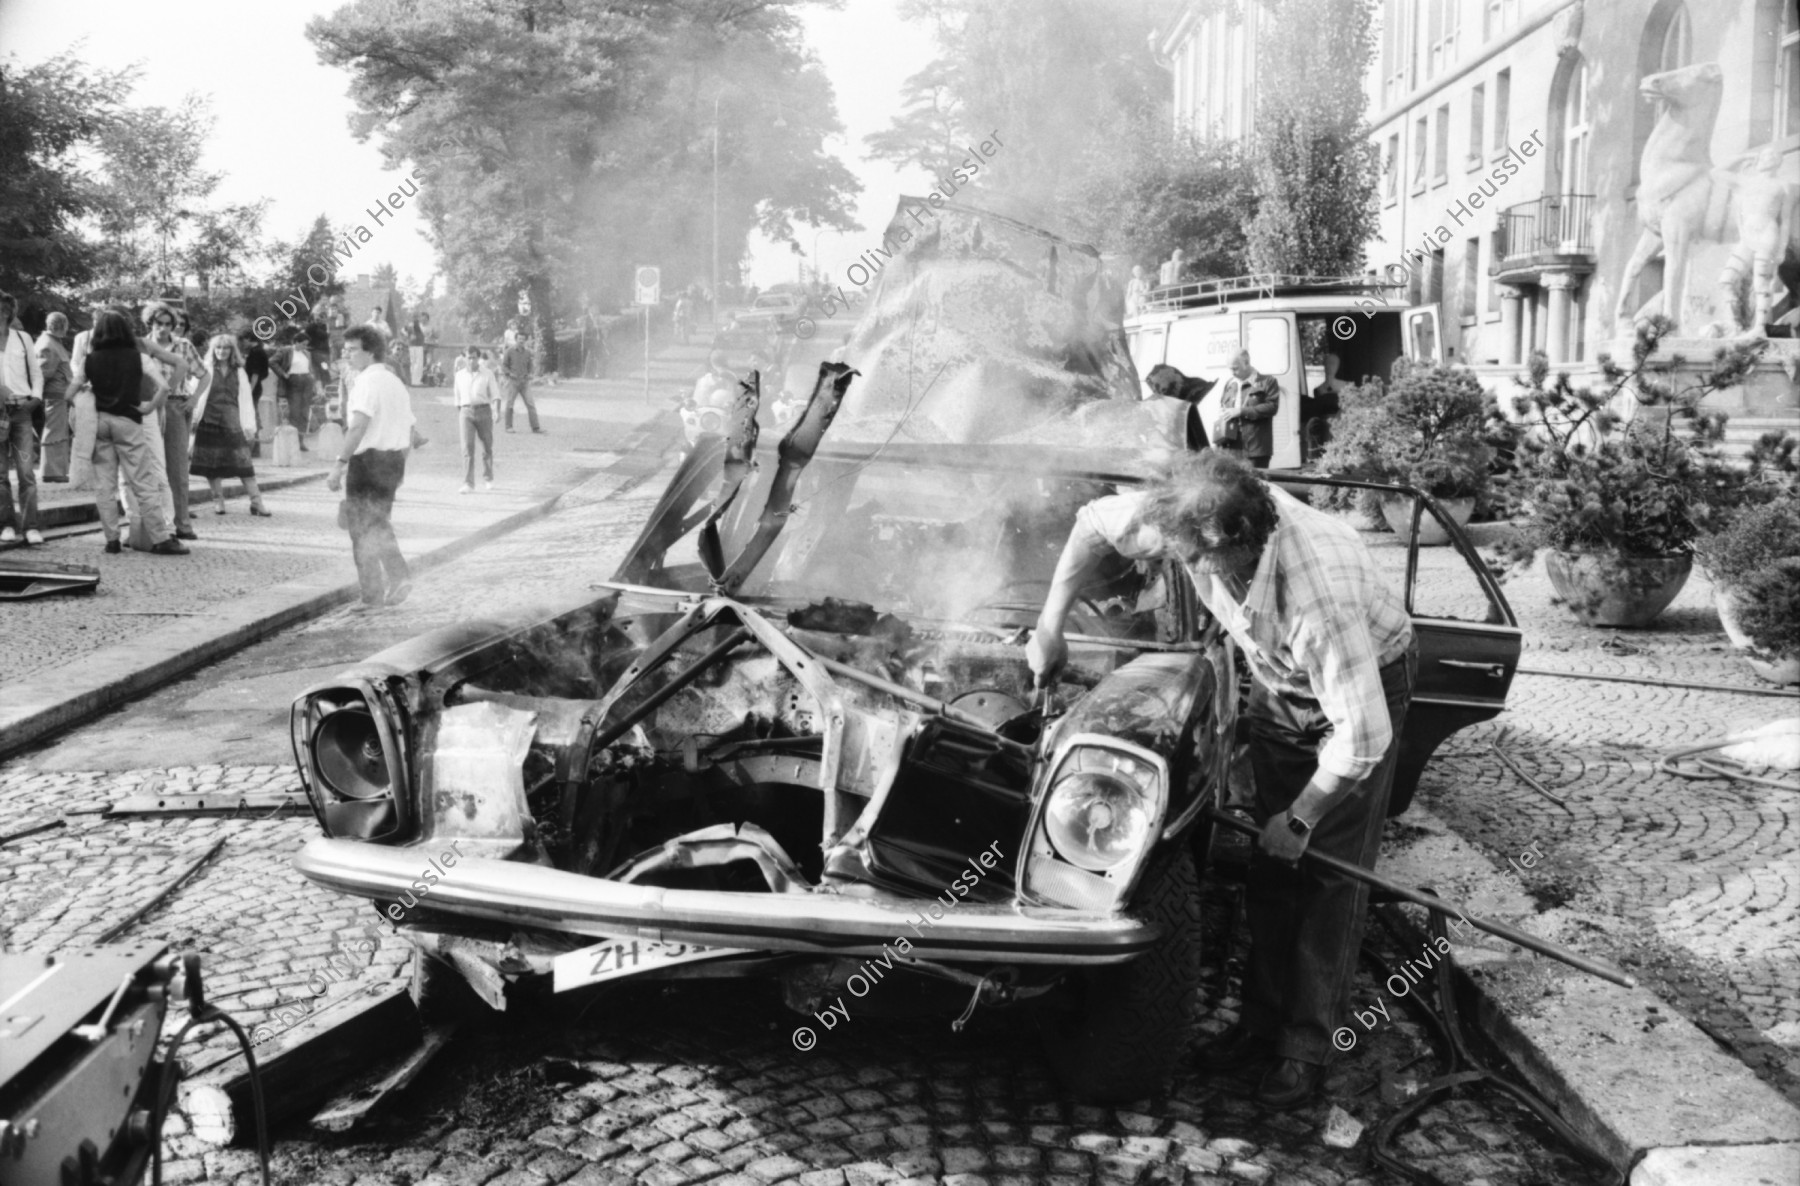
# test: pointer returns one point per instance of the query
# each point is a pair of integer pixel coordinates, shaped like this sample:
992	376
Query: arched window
1668	44
1570	116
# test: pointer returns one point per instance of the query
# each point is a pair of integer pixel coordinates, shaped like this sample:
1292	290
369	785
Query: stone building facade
1513	136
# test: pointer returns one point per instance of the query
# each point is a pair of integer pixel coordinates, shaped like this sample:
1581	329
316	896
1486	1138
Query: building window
1441	26
1569	113
1667	44
1434	279
1393	51
1497	17
1440	170
1421	150
1471	279
1391	178
1787	76
1477	100
1493	287
1502	103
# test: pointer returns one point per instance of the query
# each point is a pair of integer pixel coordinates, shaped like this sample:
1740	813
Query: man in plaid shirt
1331	649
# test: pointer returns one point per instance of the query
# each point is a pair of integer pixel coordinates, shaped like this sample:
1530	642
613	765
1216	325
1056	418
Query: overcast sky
281	128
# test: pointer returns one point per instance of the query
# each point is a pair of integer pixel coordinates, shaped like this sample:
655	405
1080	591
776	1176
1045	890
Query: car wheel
1131	1020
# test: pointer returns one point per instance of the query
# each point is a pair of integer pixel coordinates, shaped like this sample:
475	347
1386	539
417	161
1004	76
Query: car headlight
1097	820
349	747
1097	823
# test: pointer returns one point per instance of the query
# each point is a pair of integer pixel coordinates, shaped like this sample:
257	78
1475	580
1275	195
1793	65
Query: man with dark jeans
1331	649
1246	413
372	466
516	364
294	367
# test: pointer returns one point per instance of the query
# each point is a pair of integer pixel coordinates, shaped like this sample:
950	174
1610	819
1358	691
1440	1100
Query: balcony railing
1554	227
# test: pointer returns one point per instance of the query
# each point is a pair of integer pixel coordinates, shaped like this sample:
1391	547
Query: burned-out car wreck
795	738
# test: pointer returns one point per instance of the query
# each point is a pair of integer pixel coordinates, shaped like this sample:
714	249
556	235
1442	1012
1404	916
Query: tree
1055	79
310	266
553	142
1145	194
48	113
927	132
1316	168
153	186
224	239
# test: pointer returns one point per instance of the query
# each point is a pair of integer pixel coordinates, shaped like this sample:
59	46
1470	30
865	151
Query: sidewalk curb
39	707
1725	1126
71	514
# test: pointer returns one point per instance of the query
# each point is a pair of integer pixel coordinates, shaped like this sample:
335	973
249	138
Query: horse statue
1677	200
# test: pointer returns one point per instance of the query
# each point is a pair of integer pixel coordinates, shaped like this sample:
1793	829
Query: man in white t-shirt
373	464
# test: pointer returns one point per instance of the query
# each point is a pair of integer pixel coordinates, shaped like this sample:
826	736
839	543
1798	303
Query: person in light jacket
221	447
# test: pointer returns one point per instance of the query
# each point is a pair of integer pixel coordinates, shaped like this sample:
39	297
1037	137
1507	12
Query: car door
1469	645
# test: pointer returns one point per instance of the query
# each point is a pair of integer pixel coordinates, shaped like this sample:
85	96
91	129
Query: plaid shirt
1318	621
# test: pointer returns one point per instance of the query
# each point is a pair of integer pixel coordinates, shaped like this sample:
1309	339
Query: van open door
1423	344
1273	340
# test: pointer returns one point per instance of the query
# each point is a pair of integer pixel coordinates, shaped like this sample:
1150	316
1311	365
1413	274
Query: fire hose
1460	1067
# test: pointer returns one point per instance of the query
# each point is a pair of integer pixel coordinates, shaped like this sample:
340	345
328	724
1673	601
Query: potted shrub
1747	559
1616	503
1769	607
1428	431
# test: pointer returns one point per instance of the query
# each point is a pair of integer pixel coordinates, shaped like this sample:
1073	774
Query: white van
1289	324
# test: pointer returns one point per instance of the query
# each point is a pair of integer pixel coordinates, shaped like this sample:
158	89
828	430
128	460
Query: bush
1644	489
1769	607
1751	544
1430	430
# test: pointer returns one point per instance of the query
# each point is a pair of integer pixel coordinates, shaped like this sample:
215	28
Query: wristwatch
1298	826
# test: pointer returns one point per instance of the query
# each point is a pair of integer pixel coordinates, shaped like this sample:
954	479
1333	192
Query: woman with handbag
221	448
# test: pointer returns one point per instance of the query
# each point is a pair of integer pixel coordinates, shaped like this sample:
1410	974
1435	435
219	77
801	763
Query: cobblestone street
696	1082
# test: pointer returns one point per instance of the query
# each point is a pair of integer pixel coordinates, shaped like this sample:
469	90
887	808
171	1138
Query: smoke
981	329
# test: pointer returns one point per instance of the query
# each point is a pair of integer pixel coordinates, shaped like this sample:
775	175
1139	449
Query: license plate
612	959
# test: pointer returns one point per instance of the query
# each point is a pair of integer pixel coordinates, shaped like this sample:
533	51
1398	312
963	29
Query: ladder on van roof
1259	285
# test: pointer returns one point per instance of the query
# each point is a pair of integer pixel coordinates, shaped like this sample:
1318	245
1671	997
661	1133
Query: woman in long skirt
221	449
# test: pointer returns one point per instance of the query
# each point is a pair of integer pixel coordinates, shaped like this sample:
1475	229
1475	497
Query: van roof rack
1259	284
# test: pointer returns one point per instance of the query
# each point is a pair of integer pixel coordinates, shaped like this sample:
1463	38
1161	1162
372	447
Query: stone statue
1764	206
1677	200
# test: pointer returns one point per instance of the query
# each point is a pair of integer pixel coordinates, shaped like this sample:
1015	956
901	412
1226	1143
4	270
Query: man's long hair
1210	501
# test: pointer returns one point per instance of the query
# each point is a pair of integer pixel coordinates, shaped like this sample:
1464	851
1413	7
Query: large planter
1725	601
1398	513
1783	670
1607	589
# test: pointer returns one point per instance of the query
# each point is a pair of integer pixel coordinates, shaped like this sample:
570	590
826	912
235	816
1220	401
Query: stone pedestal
287	446
330	441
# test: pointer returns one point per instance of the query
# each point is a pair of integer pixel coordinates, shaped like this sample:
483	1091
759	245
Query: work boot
1290	1083
113	547
1237	1047
170	547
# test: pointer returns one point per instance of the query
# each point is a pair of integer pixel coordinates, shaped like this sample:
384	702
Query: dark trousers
369	486
520	389
1306	922
178	431
475	423
299	398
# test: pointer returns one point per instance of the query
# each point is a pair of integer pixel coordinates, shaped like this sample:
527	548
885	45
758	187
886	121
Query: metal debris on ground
264	805
1506	760
24	580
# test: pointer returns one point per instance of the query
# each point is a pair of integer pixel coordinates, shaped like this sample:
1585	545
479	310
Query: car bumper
550	899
